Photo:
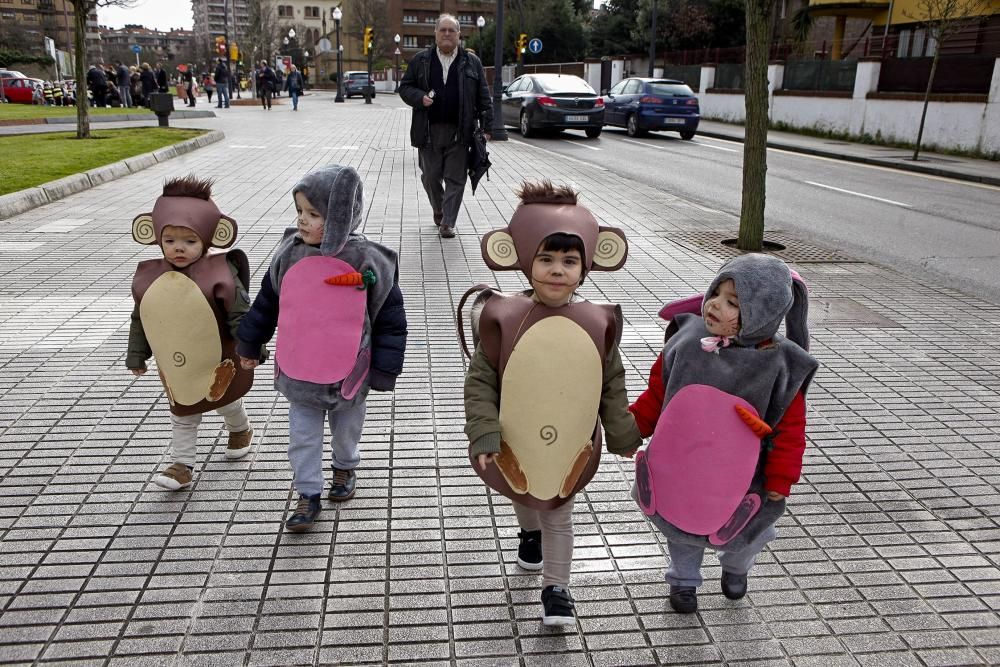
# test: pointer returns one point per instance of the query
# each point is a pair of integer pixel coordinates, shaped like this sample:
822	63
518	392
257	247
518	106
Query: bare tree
759	14
373	13
263	31
943	18
82	9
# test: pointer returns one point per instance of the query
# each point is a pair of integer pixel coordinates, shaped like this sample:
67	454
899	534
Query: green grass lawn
33	159
27	111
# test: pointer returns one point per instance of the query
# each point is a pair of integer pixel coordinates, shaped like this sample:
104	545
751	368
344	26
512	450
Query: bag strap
476	289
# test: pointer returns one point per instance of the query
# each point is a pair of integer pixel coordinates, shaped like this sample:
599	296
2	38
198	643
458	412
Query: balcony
857	8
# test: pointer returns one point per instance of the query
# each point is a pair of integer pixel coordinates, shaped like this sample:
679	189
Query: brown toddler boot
239	444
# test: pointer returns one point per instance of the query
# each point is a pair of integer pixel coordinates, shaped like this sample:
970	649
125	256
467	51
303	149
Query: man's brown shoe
239	444
438	217
447	232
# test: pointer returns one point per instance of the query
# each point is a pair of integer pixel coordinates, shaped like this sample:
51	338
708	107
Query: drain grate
795	251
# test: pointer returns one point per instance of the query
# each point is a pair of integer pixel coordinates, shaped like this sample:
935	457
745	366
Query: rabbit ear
797	319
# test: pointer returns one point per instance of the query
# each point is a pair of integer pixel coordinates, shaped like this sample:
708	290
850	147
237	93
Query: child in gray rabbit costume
334	297
726	410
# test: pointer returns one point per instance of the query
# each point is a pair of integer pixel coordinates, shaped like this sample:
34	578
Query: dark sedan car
536	102
640	105
355	82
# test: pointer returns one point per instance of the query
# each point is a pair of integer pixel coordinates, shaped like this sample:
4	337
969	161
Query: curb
117	118
18	202
918	168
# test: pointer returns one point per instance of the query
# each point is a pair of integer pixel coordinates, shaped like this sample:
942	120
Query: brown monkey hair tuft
544	192
189	186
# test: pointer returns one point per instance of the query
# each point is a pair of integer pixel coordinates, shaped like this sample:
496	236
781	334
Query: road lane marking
664	148
296	145
574	143
859	194
339	148
565	157
245	146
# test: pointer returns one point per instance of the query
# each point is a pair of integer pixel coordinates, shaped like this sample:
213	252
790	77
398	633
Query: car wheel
593	132
525	126
632	127
687	135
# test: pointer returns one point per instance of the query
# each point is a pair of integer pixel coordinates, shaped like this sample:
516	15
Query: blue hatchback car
640	105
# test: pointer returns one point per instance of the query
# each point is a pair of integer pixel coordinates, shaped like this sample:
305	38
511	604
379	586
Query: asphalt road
946	229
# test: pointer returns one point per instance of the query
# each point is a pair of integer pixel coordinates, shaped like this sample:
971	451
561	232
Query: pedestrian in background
341	331
222	83
189	84
551	359
147	83
208	83
446	86
124	84
726	366
194	347
97	82
294	84
162	80
266	82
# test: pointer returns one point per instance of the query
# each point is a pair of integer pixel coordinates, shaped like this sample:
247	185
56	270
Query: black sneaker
343	484
734	586
684	599
558	605
529	551
305	514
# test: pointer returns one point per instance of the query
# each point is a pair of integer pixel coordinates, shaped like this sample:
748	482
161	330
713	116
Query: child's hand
248	364
137	371
774	496
484	459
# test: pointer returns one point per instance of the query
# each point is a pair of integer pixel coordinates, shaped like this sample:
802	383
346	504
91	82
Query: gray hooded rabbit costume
722	400
312	327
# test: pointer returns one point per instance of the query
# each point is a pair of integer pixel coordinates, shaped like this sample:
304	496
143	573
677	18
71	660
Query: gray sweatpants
444	161
305	443
685	559
557	539
184	446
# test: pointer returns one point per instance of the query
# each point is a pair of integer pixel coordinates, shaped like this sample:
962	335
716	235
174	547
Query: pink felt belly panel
319	325
700	461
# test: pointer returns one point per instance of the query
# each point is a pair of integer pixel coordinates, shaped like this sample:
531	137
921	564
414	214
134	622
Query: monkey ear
225	233
611	250
499	252
142	229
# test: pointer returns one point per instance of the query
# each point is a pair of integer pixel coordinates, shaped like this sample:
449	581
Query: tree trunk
758	24
80	27
927	99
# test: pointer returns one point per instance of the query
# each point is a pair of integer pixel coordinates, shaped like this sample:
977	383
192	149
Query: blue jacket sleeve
258	325
388	342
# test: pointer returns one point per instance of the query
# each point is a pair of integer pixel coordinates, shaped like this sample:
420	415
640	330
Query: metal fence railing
689	74
820	75
729	76
955	74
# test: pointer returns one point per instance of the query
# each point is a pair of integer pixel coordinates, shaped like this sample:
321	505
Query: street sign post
535	45
136	49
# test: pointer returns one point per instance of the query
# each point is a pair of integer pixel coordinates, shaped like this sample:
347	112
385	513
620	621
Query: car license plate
674	121
576	119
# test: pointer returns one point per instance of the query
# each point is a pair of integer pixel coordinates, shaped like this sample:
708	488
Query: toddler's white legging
557	539
184	446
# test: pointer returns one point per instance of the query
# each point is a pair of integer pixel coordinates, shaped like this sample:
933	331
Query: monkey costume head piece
186	202
547	210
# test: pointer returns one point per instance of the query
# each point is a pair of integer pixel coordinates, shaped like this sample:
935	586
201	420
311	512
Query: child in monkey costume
188	306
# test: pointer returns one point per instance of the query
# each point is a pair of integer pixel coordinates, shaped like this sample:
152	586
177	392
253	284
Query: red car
19	91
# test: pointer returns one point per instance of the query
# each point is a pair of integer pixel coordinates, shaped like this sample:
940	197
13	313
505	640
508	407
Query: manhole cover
795	250
841	311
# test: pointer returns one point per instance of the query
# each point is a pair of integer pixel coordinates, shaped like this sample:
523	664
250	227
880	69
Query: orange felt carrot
352	279
756	424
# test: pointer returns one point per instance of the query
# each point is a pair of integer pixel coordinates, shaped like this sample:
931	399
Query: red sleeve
784	461
648	406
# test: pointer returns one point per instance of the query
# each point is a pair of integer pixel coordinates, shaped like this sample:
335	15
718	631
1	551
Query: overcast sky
159	14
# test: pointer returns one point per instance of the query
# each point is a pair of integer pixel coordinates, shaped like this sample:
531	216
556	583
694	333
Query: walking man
265	84
222	83
446	86
294	84
124	83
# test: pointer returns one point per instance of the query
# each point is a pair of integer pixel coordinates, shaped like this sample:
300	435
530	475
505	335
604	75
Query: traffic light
234	51
522	42
369	42
220	45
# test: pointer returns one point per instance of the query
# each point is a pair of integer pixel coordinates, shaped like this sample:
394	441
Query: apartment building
53	19
210	18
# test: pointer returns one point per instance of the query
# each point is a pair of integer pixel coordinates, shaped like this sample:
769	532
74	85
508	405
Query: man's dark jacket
123	75
221	73
161	80
96	79
474	103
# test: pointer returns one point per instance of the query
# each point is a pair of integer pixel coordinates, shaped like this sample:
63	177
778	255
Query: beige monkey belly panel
183	334
549	401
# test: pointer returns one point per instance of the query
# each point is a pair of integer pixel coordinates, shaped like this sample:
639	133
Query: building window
285	12
409	18
410	42
465	19
312	12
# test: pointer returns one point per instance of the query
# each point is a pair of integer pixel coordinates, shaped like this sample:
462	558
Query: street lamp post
337	15
499	132
396	74
480	23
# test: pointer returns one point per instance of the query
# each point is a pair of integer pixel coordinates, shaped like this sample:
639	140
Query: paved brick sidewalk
890	554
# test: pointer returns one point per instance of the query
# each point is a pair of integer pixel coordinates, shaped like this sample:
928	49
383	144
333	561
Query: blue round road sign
136	48
535	45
